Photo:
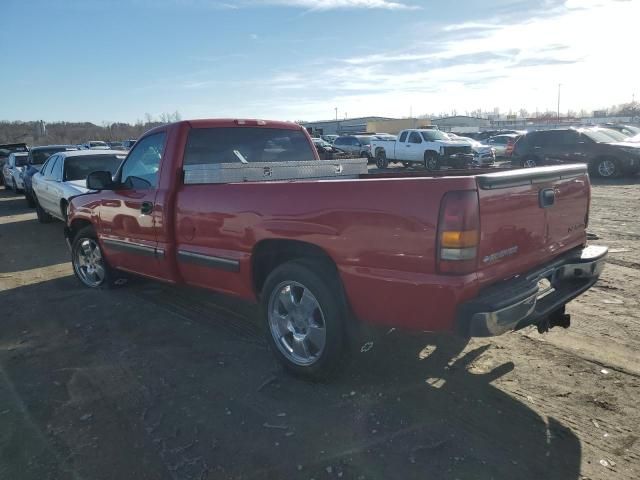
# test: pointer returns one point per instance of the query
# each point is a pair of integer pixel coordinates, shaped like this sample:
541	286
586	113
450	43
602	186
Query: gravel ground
149	381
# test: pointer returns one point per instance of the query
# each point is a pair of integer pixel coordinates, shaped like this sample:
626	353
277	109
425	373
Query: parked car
483	155
95	145
37	157
128	144
329	138
329	259
64	175
503	144
116	145
429	147
608	153
355	145
628	130
485	135
6	150
13	170
326	151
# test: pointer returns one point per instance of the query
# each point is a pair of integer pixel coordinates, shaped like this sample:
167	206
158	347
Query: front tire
89	264
530	162
304	312
30	201
381	160
431	161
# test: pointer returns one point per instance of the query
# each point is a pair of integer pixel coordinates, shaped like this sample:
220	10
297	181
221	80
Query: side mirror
99	181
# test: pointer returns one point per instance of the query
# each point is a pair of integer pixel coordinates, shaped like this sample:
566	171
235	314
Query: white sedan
13	171
64	175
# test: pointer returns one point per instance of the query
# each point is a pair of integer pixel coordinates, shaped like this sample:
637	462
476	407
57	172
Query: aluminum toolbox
272	171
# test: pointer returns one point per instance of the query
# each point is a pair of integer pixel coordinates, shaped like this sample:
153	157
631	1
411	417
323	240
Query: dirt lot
147	381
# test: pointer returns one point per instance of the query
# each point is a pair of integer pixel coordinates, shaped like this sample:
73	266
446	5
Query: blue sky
116	60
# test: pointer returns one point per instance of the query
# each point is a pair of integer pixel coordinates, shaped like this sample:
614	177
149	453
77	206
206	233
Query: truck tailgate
528	217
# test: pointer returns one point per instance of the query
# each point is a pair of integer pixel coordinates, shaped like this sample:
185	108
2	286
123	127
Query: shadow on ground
136	383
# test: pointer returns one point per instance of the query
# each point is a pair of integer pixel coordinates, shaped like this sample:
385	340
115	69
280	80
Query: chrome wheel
431	163
88	263
606	168
297	323
529	163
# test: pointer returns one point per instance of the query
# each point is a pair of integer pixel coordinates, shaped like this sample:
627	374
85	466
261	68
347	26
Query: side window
569	138
57	170
338	141
51	164
403	136
414	137
46	164
140	169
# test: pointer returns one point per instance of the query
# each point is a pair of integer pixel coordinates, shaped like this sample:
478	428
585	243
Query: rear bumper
521	302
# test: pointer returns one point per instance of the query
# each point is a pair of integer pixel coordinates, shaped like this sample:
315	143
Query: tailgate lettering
501	254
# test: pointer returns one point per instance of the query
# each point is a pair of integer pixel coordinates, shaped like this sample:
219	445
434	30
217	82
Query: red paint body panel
380	232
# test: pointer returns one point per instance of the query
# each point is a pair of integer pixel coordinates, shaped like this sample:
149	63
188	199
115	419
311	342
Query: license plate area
544	288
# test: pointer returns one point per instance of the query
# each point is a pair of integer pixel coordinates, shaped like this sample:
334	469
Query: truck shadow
121	384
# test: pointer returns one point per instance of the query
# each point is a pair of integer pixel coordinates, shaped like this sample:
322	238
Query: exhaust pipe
557	318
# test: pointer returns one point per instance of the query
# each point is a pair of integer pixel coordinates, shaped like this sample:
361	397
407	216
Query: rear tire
304	312
43	217
530	162
431	162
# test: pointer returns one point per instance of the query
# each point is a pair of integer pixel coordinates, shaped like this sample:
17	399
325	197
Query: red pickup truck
473	252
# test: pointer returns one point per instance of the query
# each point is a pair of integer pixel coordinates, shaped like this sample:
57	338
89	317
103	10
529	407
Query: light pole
336	109
559	85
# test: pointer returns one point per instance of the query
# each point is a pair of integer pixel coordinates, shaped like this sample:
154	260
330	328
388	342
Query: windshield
364	140
433	135
79	168
39	156
606	135
21	160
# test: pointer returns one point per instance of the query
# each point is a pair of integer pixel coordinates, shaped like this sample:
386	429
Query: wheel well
430	153
63	203
380	150
269	254
76	226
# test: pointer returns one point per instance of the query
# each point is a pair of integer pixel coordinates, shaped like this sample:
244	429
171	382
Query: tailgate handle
547	197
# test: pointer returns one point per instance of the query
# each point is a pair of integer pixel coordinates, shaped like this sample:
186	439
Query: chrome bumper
531	298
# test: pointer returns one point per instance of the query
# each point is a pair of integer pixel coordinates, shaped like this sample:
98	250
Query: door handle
146	208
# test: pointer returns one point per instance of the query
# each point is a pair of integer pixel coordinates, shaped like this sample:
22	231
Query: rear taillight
509	150
458	232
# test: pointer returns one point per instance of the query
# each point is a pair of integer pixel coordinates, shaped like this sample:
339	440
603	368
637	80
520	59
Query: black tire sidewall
324	284
43	217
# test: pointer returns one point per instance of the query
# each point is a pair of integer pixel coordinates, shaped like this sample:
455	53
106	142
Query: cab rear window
246	145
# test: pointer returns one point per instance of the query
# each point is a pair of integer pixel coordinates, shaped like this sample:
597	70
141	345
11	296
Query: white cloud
499	64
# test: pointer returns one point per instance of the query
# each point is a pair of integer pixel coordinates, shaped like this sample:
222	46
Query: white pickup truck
431	148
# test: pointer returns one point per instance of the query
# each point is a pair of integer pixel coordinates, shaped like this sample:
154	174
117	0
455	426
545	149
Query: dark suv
37	157
607	152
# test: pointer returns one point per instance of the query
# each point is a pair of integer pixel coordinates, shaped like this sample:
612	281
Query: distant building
395	125
341	127
461	124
